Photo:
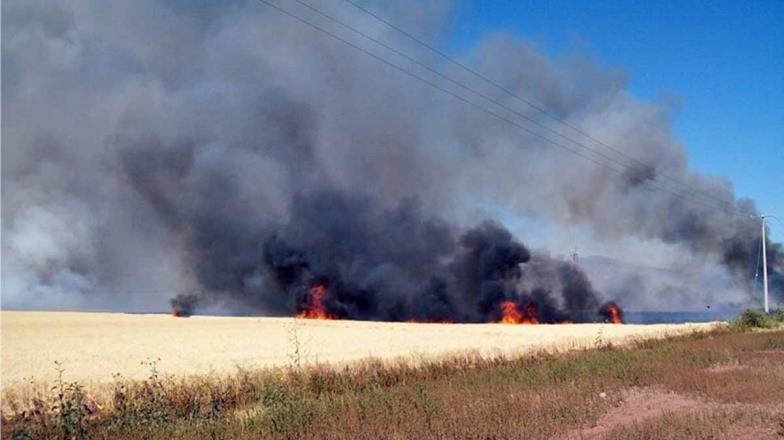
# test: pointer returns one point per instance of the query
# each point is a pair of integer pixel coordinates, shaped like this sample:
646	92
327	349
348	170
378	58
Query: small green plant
140	404
425	405
152	396
297	350
121	400
69	405
599	342
286	413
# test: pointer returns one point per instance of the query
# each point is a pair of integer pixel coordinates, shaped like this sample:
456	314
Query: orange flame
510	314
615	314
315	308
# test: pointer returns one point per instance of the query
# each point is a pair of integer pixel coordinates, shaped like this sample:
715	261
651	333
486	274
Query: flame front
615	314
315	308
510	314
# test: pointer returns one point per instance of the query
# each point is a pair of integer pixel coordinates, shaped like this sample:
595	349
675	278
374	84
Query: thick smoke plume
236	157
376	264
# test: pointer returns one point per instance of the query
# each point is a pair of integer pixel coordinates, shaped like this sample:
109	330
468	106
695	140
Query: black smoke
377	264
183	305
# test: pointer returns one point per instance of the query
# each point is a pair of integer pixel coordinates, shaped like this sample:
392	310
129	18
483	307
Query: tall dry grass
538	396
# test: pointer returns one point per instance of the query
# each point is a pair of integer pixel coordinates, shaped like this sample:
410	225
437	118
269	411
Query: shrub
751	319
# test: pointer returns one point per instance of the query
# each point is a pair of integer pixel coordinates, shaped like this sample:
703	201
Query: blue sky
723	60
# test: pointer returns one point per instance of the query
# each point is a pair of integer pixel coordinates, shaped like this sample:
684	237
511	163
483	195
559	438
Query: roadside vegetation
751	319
729	383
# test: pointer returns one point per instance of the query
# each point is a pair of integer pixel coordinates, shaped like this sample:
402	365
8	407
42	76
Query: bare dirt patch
766	356
753	432
636	405
727	368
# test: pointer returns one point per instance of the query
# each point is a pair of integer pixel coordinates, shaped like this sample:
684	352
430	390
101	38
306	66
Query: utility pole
764	267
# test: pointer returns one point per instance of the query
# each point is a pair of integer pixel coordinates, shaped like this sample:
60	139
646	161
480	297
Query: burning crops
612	313
315	307
511	313
483	274
233	171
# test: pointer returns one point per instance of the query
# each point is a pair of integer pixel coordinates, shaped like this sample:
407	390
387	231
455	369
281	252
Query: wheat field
92	346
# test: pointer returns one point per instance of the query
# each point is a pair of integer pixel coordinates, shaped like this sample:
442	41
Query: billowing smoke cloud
376	264
159	148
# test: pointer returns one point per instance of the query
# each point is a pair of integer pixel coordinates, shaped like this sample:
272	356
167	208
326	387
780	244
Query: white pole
764	267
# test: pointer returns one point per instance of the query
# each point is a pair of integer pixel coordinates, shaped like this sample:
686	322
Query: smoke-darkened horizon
232	158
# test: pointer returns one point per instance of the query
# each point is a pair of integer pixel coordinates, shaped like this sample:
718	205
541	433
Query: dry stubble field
93	346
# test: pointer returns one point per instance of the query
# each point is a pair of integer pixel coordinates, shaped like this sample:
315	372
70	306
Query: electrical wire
470	102
527	102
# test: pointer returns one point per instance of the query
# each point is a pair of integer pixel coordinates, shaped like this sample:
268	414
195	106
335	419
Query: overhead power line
453	81
476	105
525	101
435	85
